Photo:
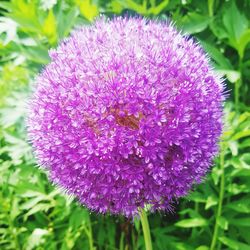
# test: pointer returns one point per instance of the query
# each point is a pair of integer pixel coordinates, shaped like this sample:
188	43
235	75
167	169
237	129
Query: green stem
211	7
91	243
134	246
121	245
220	203
88	231
146	230
236	94
194	230
238	83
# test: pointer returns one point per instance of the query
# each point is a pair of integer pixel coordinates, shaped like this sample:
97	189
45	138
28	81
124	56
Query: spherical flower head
127	114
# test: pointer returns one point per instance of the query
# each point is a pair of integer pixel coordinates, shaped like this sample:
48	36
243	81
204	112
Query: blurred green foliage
36	215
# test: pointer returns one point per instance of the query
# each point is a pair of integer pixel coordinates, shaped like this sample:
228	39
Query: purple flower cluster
127	114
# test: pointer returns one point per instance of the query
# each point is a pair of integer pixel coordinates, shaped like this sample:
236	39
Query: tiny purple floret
127	114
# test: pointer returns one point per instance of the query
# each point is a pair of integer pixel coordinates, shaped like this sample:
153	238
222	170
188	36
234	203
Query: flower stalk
146	230
221	197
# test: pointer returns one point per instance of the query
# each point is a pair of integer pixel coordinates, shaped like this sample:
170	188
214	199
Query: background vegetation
36	215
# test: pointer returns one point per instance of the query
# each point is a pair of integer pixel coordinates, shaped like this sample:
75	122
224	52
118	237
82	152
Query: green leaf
242	205
240	173
244	116
66	21
6	6
189	223
202	248
217	28
31	203
242	222
50	27
36	54
241	162
182	246
88	9
233	244
15	211
211	201
40	207
235	189
241	134
197	197
216	173
130	4
195	23
116	7
235	23
47	4
18	148
26	14
30	193
217	56
245	159
10	116
36	238
232	75
191	212
223	223
243	41
9	27
245	143
159	8
78	217
233	145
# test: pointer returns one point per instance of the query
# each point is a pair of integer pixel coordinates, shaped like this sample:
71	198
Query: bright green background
35	215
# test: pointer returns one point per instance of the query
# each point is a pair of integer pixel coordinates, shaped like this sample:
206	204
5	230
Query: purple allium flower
127	114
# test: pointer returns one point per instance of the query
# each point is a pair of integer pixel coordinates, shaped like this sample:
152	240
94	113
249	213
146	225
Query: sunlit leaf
36	238
211	201
216	173
116	7
195	222
241	134
9	27
49	27
238	188
31	202
202	248
88	9
47	4
156	10
232	75
40	207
